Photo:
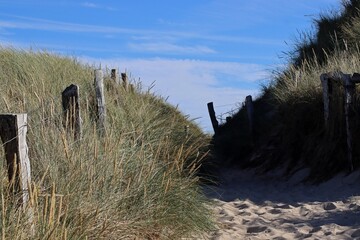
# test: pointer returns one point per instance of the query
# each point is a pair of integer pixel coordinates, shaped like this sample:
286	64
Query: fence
249	109
328	82
13	129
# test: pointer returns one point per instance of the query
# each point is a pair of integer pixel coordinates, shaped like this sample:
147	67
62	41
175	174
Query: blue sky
196	51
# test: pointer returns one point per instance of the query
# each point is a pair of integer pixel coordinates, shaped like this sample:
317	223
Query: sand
249	206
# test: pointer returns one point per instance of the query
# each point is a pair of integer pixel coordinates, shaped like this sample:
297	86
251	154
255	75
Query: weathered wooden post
250	112
349	86
213	119
327	89
71	108
114	76
187	130
13	129
125	81
100	100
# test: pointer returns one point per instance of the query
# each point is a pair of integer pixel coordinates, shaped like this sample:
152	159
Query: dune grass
289	123
137	182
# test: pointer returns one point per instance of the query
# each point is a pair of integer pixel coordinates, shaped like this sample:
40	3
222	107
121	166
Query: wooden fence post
114	76
214	122
349	86
13	128
71	108
125	81
100	100
327	89
187	130
250	112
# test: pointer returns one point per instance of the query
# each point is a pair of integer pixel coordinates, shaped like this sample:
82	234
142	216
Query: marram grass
136	182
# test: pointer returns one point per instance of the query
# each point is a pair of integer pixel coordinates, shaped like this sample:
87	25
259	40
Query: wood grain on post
100	100
13	129
71	108
125	81
213	119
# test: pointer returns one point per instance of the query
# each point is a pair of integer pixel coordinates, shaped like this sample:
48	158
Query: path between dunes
264	207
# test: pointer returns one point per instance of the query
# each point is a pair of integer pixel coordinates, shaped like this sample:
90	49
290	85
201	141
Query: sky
194	51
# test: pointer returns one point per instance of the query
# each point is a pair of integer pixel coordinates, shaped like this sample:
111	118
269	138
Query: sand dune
267	207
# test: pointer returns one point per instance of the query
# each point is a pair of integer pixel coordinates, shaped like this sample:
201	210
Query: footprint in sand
315	229
303	236
304	211
256	229
241	206
244	213
329	206
354	207
245	221
275	211
279	238
260	212
356	234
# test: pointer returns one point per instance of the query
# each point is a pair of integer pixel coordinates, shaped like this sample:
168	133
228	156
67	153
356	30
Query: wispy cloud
97	6
170	48
89	5
28	23
193	83
55	26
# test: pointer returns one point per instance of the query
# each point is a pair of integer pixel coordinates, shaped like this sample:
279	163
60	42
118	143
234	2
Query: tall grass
136	182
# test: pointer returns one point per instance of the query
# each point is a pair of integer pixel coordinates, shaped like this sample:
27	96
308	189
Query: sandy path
250	207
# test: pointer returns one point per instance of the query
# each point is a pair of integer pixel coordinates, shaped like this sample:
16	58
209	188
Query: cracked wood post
100	101
13	128
71	110
214	122
349	86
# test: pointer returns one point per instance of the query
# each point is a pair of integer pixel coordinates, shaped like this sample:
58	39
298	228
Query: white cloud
191	84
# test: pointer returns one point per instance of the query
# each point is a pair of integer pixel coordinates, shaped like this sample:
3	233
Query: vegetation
136	182
289	123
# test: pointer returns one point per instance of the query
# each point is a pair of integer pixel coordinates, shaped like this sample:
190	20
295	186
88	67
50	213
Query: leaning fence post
214	122
71	108
100	100
13	128
250	112
326	86
349	115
